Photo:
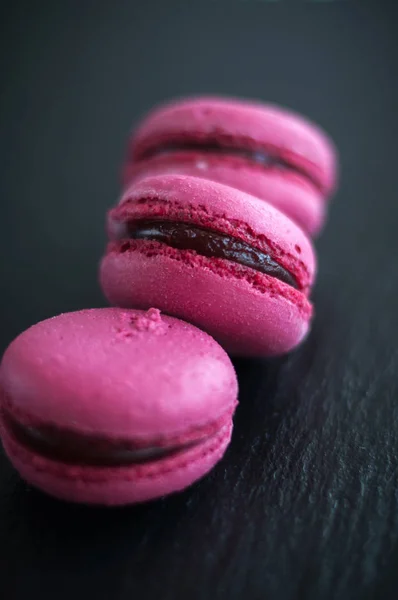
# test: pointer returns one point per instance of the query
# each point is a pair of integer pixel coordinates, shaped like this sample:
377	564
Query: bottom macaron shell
302	203
244	320
114	486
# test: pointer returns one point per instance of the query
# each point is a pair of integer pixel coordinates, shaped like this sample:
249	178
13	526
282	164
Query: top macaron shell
248	312
164	376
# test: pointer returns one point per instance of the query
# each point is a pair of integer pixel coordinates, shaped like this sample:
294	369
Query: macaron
267	151
214	256
108	406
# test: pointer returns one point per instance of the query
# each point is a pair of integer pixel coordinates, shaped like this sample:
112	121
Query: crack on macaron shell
266	157
148	322
145	208
259	282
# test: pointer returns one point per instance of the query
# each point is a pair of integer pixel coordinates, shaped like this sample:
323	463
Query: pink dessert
108	406
214	256
267	151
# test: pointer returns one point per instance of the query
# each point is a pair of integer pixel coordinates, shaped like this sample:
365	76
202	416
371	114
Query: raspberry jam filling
268	160
75	448
184	236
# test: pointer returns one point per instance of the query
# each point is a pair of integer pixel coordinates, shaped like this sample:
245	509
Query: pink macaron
108	406
267	151
212	255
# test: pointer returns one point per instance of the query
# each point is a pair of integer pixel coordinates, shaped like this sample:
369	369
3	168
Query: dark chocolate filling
259	157
184	236
74	448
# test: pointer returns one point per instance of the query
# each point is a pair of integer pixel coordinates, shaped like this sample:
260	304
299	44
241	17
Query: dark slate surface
305	503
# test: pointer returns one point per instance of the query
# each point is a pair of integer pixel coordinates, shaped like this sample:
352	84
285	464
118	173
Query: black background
305	503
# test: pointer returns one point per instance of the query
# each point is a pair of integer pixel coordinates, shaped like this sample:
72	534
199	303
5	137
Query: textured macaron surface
112	406
238	301
120	374
264	132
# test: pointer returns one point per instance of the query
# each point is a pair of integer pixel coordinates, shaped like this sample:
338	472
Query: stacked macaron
213	226
212	255
120	405
106	406
266	151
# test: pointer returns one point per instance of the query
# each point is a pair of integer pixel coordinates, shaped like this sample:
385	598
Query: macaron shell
301	203
122	374
117	486
233	211
250	124
243	320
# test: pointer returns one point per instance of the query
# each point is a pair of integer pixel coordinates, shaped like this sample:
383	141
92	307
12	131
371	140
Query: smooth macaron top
120	373
219	208
242	124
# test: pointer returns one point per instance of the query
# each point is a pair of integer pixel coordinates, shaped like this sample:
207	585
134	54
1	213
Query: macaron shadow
106	539
62	523
138	539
